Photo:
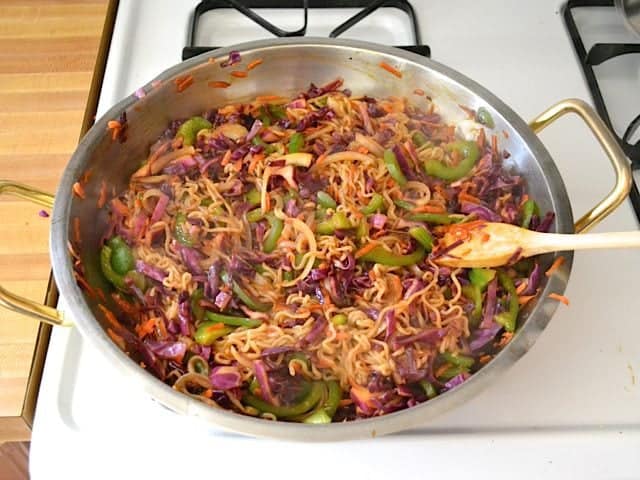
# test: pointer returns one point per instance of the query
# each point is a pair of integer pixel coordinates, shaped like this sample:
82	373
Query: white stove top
569	408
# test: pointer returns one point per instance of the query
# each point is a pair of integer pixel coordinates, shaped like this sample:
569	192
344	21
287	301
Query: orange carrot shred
182	83
254	64
109	316
366	249
524	299
391	70
554	266
111	124
102	198
560	298
76	230
79	190
522	287
208	393
219	84
466	197
419	91
117	339
428	209
239	74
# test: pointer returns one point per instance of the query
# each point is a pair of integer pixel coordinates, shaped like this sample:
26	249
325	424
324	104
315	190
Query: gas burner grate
598	54
247	8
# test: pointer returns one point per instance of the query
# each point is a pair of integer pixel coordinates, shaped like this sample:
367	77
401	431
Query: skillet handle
610	146
15	302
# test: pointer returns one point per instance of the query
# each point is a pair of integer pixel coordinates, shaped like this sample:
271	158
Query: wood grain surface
47	54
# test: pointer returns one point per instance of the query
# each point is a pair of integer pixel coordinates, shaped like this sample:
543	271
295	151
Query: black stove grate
598	54
247	8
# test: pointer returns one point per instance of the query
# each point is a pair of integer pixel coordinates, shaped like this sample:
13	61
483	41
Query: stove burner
598	54
246	8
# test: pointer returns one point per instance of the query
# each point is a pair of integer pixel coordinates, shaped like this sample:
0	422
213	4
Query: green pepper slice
338	221
244	296
473	293
403	204
189	129
437	218
484	117
180	230
384	257
339	319
209	332
422	236
480	277
296	142
122	259
375	204
429	389
529	209
252	197
268	148
254	215
325	200
458	360
419	139
393	167
197	309
231	320
452	371
109	273
508	318
285	411
469	151
271	240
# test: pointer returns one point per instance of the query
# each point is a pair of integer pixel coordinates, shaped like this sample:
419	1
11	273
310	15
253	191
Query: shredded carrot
391	70
522	287
484	359
219	84
524	198
366	249
84	284
146	328
267	98
345	401
78	189
466	197
182	83
554	266
101	294
428	209
226	158
419	91
120	207
162	329
76	230
494	145
363	150
560	298
237	165
524	299
443	368
117	339
485	237
109	316
208	393
102	198
111	124
125	306
506	338
239	74
255	159
342	335
482	139
267	201
254	64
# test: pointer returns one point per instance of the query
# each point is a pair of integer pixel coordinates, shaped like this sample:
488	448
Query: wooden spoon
486	244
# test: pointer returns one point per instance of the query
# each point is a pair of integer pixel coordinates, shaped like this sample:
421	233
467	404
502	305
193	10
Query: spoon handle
550	242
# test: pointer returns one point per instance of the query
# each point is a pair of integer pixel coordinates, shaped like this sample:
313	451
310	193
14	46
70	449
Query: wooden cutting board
47	55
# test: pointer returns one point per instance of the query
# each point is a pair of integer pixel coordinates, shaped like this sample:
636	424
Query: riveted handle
610	146
15	302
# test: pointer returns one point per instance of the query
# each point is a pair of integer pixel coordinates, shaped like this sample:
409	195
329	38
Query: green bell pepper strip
458	360
429	389
529	209
362	230
268	148
384	257
196	309
252	197
508	318
339	319
338	221
180	231
122	259
231	320
393	167
325	200
419	139
376	203
244	296
319	417
403	204
437	218
285	411
452	371
470	153
254	215
109	273
205	202
481	277
278	111
189	129
473	293
484	117
271	240
422	236
209	332
296	142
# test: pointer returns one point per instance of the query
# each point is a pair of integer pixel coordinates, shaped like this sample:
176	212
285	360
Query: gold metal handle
11	300
610	146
